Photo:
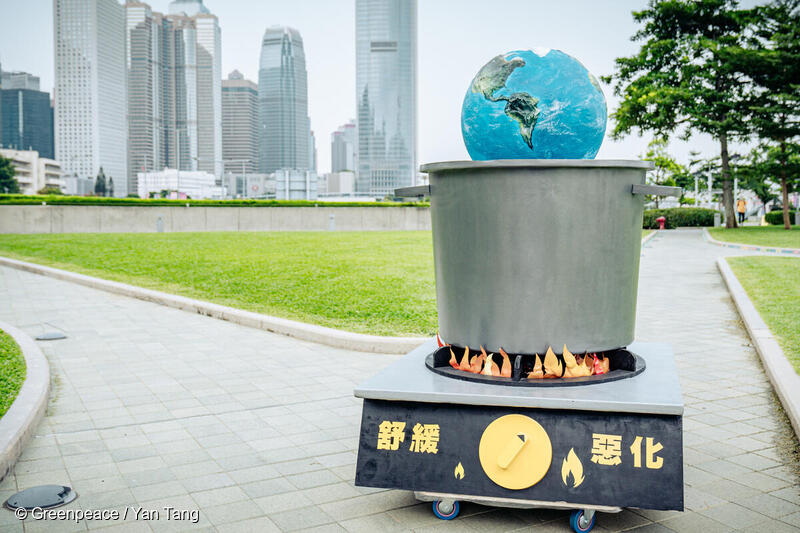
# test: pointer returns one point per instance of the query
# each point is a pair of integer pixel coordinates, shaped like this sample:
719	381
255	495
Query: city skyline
594	36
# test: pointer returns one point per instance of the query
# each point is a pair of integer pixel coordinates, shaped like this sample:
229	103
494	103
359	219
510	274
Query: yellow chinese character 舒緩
425	438
651	449
390	435
606	449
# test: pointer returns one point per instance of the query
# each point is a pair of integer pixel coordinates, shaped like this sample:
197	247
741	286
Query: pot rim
537	163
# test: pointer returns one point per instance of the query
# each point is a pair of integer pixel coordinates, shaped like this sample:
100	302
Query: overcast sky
456	37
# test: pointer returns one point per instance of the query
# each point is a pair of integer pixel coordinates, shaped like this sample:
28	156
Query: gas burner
622	364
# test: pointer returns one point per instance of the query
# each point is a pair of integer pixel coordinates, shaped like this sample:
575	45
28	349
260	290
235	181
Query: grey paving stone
268	487
303	518
207	482
376	522
232	512
692	522
734	515
285	501
309	480
770	506
221	496
260	524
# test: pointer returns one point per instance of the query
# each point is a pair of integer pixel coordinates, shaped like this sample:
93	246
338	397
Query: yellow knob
515	451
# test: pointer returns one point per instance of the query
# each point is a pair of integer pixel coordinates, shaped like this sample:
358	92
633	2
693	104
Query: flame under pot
530	254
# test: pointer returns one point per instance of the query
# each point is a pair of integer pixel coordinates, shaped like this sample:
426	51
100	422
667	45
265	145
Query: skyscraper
147	90
386	94
343	148
209	84
239	124
26	117
283	101
174	88
90	89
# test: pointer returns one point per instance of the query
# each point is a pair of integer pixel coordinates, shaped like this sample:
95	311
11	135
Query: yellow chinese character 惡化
606	449
390	435
425	438
651	449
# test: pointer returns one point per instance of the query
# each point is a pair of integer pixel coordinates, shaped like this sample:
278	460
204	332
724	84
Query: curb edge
785	381
751	247
308	332
20	421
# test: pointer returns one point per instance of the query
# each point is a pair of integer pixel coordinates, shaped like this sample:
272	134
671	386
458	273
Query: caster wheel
579	522
445	510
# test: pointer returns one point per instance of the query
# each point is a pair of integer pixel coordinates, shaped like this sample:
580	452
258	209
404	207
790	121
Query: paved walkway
153	406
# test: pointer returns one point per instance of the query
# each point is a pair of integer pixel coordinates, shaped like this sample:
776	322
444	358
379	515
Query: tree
50	189
100	183
110	186
8	183
679	80
771	60
666	170
770	165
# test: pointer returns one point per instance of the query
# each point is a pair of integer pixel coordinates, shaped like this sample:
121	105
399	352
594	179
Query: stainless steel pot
537	253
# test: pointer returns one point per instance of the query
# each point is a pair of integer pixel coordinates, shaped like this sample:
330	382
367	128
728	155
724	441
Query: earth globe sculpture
533	104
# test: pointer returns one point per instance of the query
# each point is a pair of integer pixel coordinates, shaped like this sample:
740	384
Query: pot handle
417	190
656	190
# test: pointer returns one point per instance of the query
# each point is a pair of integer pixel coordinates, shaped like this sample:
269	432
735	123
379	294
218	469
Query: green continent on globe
492	77
521	107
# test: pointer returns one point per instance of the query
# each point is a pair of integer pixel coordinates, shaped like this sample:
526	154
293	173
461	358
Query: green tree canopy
771	60
680	81
100	183
8	183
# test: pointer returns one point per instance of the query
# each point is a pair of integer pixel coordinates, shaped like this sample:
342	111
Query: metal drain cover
44	496
51	336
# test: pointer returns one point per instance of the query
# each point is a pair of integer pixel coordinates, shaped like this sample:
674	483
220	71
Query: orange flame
505	371
465	360
453	360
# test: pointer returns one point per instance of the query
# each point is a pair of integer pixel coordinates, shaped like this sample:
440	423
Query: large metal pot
537	253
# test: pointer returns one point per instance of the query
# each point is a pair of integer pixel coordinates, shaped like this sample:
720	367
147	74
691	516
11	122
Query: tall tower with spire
283	101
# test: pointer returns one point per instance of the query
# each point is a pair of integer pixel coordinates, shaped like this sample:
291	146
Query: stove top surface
654	391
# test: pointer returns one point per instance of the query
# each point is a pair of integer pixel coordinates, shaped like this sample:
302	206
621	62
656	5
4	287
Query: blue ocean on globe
533	104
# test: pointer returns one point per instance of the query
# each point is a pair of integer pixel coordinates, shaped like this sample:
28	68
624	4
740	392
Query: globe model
533	104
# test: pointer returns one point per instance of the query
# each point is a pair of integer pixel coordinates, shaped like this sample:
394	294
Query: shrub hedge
20	199
776	217
679	217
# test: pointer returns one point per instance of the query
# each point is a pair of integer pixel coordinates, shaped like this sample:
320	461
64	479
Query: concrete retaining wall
145	219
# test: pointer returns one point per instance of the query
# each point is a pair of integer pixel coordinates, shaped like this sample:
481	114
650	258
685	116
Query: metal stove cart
528	255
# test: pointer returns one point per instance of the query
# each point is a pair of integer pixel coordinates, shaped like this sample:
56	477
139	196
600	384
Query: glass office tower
91	89
283	101
386	99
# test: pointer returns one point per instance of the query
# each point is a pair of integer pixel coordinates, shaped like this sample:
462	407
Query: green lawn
759	236
368	282
646	232
12	371
773	285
